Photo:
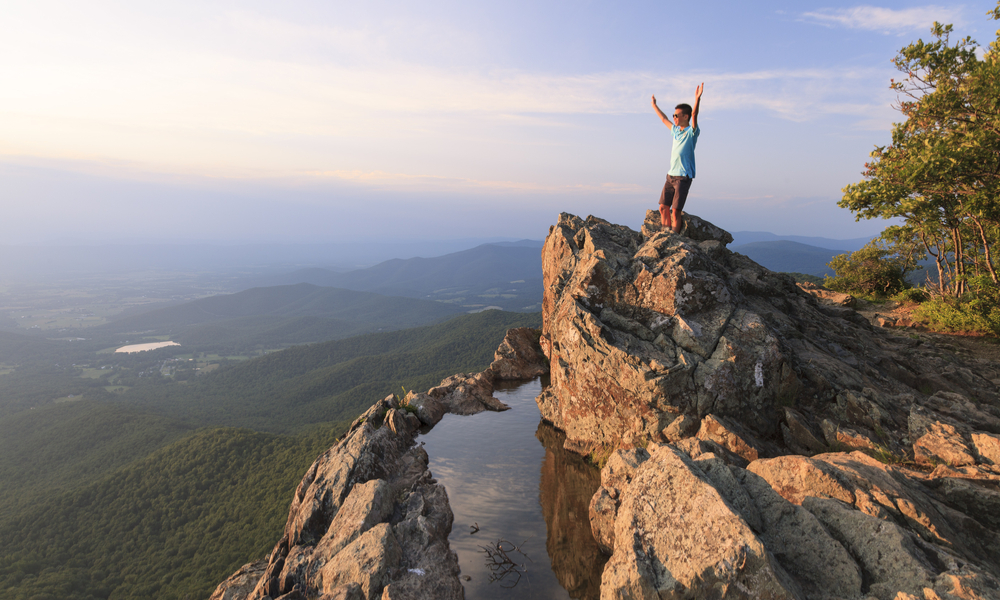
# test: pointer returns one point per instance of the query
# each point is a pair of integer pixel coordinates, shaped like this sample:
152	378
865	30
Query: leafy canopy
941	173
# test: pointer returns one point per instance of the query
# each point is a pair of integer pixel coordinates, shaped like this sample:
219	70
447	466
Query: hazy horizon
317	123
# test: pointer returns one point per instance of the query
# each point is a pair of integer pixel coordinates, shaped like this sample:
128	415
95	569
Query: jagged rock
642	327
820	564
961	409
367	505
239	585
680	428
467	394
649	333
615	476
978	499
428	408
797	432
835	526
697	449
342	536
886	493
351	591
399	425
602	510
367	562
837	436
730	436
942	443
676	537
519	356
987	447
796	477
694	227
897	562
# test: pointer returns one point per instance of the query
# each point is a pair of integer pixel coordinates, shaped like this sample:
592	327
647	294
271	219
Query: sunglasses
679	115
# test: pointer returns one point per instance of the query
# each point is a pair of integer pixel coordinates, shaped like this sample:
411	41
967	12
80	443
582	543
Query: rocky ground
765	441
964	345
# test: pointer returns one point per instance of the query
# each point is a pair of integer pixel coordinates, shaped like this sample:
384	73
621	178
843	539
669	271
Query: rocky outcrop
368	519
648	333
765	443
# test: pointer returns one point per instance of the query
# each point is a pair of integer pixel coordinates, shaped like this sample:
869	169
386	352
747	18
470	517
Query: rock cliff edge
760	443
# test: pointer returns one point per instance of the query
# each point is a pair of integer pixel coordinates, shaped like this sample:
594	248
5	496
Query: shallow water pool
508	475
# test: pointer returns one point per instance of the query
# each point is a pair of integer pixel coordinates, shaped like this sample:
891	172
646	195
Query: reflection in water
502	480
568	484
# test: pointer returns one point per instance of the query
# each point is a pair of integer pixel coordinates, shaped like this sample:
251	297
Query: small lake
144	347
508	473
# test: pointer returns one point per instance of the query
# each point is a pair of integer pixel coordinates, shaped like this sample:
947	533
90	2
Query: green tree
874	270
941	174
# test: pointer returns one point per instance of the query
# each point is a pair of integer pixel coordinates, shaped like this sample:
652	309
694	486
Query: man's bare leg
665	220
678	223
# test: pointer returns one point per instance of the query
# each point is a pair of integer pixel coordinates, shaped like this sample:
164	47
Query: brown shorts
675	191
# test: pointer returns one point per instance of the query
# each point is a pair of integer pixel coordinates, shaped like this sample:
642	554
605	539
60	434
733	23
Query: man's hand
663	117
697	105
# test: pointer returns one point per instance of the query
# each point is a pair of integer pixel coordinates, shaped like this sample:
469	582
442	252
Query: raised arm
666	120
697	105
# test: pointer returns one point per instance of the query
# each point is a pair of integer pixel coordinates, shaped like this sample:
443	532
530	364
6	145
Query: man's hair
685	108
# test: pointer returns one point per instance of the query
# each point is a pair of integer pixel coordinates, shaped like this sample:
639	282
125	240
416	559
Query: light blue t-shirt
682	151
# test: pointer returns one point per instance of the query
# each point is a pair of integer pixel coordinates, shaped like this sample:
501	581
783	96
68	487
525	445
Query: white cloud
885	20
430	183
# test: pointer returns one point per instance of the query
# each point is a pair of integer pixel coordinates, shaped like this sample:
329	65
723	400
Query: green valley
164	488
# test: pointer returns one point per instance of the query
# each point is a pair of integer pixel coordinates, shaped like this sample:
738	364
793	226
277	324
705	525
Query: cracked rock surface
764	442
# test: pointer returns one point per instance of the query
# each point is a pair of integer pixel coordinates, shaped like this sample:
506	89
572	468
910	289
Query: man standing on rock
684	128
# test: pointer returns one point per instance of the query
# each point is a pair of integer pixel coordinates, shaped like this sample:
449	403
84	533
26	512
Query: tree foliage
940	175
875	271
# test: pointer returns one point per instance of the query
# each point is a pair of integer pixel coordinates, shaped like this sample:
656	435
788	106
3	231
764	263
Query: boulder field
754	441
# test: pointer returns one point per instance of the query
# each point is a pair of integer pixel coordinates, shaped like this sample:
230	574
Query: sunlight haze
331	121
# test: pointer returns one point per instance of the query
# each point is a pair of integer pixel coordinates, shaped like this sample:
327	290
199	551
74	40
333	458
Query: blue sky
335	121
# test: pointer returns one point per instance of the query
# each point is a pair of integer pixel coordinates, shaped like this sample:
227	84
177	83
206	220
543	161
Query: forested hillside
286	390
167	527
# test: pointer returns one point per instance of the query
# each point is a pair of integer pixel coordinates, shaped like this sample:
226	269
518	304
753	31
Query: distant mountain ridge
507	275
789	257
299	300
741	238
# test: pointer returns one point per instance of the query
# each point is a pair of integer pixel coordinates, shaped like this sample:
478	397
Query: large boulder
677	537
519	356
